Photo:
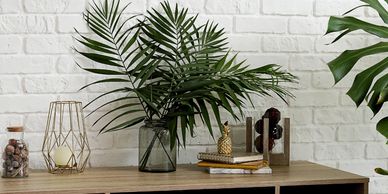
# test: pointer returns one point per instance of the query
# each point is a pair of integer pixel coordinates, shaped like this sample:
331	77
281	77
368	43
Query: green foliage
176	69
371	84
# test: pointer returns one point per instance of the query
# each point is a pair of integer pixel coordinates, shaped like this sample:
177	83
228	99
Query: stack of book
238	163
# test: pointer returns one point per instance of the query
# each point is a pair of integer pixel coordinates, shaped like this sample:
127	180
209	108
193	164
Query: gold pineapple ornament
225	142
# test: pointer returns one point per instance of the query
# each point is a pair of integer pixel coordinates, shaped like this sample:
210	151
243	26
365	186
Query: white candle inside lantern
62	156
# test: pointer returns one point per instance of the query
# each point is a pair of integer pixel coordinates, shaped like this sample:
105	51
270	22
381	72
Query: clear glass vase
155	154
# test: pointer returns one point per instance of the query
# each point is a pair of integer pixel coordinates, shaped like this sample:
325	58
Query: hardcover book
246	165
238	157
263	170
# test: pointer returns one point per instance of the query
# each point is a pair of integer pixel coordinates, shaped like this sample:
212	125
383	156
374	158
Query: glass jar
155	153
15	154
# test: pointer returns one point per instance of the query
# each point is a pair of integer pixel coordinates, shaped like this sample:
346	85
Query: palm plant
371	84
176	69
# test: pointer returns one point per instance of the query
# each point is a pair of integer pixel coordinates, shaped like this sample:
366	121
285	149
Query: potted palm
174	74
371	84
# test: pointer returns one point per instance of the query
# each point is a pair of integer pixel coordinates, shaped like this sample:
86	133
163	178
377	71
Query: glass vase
155	153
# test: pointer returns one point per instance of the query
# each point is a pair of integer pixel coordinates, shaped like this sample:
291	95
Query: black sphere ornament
274	116
275	130
259	126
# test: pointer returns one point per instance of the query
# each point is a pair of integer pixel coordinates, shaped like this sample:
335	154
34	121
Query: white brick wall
37	66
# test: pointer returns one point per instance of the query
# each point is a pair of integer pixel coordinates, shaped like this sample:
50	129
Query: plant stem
147	153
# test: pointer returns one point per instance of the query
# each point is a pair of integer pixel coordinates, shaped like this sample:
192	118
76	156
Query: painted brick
274	25
287	44
35	122
309	134
10	85
26	24
346	43
24	64
331	8
25	103
301	116
100	142
40	24
281	7
335	151
315	98
298	25
258	60
10	6
67	23
135	6
53	84
223	21
10	44
361	167
66	64
304	80
302	151
120	157
357	133
376	150
127	138
232	6
54	6
35	141
325	80
194	6
345	100
244	43
12	24
378	185
49	44
103	87
337	116
36	160
304	62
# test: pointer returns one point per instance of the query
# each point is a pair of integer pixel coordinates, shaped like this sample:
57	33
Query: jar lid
15	129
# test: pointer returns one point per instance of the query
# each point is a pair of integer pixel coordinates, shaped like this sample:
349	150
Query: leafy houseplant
372	83
175	73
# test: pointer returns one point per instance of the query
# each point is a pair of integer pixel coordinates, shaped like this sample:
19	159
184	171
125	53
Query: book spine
265	170
229	166
214	158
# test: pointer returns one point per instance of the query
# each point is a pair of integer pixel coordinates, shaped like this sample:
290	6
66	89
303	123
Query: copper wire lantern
65	146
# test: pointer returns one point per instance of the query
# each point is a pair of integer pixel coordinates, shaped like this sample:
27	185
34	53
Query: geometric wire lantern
65	146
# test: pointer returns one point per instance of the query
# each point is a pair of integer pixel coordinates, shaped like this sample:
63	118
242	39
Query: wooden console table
300	177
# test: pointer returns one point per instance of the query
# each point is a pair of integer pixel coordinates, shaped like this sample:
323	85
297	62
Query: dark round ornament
274	116
259	144
259	126
276	132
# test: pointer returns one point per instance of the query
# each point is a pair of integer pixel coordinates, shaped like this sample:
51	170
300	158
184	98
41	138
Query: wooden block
265	140
283	159
248	135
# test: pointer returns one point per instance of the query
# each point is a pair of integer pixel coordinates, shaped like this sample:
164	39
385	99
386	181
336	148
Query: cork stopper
15	129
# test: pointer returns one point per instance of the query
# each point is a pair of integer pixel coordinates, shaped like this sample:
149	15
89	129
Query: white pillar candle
62	156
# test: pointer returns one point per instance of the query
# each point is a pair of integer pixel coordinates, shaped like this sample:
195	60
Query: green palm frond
112	54
178	70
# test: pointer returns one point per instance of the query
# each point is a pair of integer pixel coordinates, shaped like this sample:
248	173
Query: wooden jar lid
15	129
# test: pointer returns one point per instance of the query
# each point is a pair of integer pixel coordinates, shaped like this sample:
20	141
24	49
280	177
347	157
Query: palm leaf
175	68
